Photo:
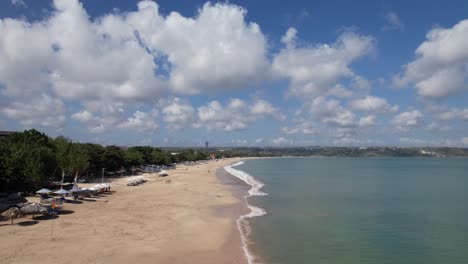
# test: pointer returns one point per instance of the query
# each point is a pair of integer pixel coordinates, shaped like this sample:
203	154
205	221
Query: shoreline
242	222
192	218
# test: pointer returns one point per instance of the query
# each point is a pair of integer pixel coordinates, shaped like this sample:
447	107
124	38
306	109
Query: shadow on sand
27	223
75	202
45	217
66	212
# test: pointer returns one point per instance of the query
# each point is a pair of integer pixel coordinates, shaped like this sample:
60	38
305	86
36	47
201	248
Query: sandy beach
190	220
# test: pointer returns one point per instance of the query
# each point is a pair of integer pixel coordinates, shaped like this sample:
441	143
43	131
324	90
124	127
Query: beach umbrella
12	213
61	191
33	209
76	189
44	191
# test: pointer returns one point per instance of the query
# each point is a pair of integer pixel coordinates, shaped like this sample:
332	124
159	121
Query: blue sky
238	73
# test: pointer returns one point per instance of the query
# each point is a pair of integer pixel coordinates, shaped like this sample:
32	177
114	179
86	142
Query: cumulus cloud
393	22
331	112
236	115
133	55
141	122
366	121
315	69
95	123
451	114
465	140
303	126
281	141
218	44
18	3
44	110
441	65
178	114
407	120
374	104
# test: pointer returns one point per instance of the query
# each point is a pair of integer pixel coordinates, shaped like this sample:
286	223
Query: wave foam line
242	223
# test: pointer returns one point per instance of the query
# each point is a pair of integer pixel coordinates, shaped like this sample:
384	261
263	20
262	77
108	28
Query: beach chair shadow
65	212
27	223
75	202
46	217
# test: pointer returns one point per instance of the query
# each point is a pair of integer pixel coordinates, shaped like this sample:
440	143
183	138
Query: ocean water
356	210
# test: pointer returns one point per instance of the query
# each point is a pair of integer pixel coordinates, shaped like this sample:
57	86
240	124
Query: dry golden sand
190	220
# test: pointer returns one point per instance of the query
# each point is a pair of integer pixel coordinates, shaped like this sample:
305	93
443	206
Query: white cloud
44	110
453	113
131	56
281	141
95	123
18	3
178	114
441	65
331	112
342	118
314	70
141	122
393	22
373	103
303	126
465	140
218	44
366	121
236	115
407	120
261	107
289	38
75	58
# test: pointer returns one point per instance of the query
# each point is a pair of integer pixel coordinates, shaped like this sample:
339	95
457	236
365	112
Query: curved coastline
242	222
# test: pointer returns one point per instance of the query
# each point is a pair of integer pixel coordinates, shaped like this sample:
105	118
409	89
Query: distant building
5	134
206	144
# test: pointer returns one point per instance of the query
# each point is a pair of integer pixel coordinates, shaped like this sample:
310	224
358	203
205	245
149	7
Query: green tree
27	161
134	157
114	158
78	159
62	151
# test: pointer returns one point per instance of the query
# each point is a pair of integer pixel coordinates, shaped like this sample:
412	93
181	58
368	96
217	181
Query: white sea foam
242	223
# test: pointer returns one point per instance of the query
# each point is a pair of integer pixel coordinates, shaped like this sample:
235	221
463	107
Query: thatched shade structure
33	209
12	213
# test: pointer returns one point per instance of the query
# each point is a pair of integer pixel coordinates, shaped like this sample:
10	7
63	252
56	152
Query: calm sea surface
361	210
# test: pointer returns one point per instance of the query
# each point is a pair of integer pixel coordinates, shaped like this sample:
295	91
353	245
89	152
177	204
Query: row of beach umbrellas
75	189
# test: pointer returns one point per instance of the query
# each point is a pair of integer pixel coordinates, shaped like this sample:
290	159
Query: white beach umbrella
61	191
44	191
76	189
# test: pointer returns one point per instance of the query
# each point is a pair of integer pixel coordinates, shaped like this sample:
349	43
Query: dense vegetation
30	159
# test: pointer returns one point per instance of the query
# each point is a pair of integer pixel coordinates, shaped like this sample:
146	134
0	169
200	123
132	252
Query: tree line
30	159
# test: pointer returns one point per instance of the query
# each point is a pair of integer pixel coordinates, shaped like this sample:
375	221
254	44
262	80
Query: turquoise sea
358	210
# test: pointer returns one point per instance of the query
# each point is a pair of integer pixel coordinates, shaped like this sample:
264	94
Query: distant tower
206	144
